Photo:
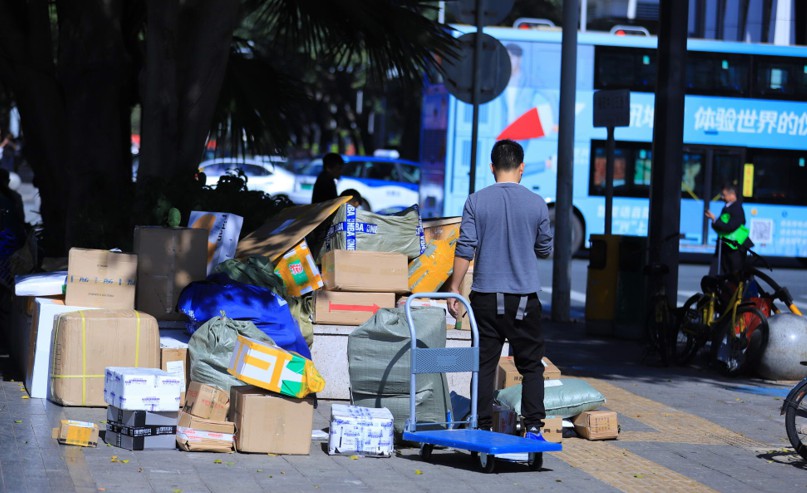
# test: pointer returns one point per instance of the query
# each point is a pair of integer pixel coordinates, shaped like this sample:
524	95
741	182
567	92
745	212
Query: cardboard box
273	368
168	259
451	322
505	420
141	389
187	420
223	230
193	440
299	271
174	357
597	425
430	271
140	430
268	423
341	308
286	228
360	430
102	279
553	429
36	356
207	402
80	433
507	374
85	343
379	272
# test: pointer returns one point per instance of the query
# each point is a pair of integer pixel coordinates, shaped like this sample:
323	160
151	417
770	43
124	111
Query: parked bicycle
662	316
731	314
795	410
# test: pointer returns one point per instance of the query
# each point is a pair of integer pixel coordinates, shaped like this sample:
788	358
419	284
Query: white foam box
361	431
142	389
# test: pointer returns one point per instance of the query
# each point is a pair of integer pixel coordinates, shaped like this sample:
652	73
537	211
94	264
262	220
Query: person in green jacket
730	224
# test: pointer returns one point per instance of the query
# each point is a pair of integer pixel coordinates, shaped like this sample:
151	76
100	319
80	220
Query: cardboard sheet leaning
273	368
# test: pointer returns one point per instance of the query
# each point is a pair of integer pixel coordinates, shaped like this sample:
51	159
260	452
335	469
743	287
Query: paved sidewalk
683	429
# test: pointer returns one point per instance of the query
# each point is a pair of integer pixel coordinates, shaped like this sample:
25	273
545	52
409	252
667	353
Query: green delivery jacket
731	224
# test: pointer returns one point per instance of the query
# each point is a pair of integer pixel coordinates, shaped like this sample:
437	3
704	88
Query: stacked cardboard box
203	425
358	284
141	430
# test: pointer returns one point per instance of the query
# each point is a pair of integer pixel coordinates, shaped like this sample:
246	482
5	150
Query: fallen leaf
229	464
639	476
125	461
282	472
270	476
18	421
354	457
25	397
176	490
418	472
270	454
558	481
217	461
114	458
259	470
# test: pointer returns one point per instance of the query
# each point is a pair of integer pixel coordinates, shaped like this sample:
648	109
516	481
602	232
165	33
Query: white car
386	184
261	174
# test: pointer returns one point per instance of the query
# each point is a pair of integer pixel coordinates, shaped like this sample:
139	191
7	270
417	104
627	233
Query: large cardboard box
342	308
507	374
100	278
286	228
140	430
187	420
597	425
374	272
429	271
36	358
553	429
269	423
168	259
360	430
85	343
298	270
223	230
451	322
141	389
273	368
207	402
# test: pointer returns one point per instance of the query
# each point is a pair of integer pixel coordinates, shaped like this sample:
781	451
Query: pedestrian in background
505	230
731	226
325	186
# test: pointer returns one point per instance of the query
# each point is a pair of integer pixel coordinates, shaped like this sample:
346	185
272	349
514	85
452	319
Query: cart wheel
487	463
426	451
536	461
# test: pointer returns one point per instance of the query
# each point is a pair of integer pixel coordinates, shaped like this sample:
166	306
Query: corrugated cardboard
429	271
168	259
85	343
187	420
379	272
268	423
80	433
223	230
298	270
140	430
597	425
141	389
286	228
207	402
273	368
174	357
360	430
341	308
553	429
193	440
39	342
451	322
102	279
507	374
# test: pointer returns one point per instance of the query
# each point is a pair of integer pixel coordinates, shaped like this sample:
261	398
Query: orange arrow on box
334	307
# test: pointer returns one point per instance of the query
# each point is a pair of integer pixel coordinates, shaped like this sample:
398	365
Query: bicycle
732	316
662	320
795	410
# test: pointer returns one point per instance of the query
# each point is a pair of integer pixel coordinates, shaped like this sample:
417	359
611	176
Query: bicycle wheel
689	332
658	324
740	341
796	420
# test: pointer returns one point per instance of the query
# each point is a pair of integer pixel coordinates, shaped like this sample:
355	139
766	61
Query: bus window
625	68
692	169
717	74
631	169
781	78
779	177
725	169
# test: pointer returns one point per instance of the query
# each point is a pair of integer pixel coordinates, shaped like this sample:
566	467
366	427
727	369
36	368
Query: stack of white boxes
143	407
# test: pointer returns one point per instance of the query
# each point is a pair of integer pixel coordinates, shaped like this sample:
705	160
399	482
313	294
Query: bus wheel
577	230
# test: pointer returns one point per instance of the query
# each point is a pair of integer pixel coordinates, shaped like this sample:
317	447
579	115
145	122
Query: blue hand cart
484	445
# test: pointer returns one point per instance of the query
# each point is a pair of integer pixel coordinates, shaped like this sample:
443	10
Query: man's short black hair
332	159
506	155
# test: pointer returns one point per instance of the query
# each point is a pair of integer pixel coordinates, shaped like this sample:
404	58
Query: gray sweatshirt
505	229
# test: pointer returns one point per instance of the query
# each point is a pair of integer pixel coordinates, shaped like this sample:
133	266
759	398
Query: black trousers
527	344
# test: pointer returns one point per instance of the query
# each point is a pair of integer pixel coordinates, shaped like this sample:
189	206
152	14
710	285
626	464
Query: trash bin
616	286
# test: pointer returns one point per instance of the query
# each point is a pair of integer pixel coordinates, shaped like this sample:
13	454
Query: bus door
704	172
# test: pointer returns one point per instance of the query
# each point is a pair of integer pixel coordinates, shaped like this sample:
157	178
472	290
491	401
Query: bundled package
272	368
142	389
355	229
299	271
140	430
360	430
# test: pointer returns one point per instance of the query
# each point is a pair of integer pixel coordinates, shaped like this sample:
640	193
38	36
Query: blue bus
745	122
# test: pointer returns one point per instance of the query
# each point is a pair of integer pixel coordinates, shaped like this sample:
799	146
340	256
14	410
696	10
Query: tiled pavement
682	430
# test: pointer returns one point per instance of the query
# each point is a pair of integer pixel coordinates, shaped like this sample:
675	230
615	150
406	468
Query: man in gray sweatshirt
505	230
